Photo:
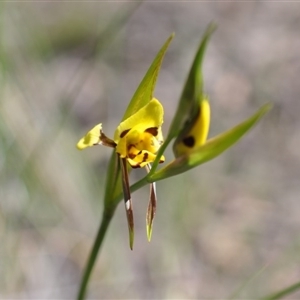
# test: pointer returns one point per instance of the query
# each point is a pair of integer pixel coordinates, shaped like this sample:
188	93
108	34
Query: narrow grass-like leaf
287	291
193	88
211	149
144	92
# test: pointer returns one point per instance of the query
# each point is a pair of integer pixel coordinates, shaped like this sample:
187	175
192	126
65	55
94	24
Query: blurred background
227	229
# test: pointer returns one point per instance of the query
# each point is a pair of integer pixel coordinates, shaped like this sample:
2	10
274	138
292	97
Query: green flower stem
108	213
112	185
107	217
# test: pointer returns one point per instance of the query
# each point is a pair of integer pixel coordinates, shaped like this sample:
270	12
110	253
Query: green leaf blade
193	90
211	149
144	92
285	292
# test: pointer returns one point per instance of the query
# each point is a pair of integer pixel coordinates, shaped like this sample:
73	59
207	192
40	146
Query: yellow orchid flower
139	137
136	141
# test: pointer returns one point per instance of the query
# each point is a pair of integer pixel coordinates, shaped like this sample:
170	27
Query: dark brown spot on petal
152	130
145	156
189	141
135	166
131	155
123	133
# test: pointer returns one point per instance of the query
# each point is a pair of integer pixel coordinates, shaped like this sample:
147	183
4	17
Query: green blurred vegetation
66	66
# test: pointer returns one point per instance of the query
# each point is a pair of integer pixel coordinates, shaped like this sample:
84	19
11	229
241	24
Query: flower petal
142	158
139	137
149	116
92	138
195	131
